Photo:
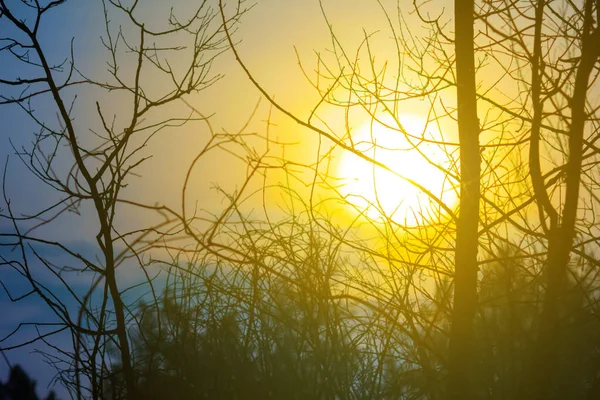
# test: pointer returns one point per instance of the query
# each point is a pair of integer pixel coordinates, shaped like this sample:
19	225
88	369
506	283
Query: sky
271	39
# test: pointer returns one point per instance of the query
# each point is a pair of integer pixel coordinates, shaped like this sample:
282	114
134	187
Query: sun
411	192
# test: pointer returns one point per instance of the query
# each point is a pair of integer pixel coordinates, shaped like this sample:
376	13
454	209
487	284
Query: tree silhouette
94	171
20	387
551	103
460	355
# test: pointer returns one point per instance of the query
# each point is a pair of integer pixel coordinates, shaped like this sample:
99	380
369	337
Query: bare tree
372	93
102	164
552	42
495	190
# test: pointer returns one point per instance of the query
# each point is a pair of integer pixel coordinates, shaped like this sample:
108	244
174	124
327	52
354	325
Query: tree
461	350
548	102
369	94
20	386
142	76
559	111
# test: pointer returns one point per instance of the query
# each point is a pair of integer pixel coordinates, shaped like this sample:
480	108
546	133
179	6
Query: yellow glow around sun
382	194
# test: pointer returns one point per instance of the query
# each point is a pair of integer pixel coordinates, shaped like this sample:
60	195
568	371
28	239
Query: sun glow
417	162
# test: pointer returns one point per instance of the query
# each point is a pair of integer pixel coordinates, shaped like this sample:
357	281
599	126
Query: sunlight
381	194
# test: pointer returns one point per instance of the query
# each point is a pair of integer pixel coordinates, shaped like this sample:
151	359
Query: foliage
20	387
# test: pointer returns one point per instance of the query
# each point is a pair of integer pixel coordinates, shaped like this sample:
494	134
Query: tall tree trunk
465	278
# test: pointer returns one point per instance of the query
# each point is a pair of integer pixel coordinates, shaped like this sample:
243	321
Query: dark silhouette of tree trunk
465	278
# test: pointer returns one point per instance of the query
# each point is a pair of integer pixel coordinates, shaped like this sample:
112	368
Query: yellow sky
269	39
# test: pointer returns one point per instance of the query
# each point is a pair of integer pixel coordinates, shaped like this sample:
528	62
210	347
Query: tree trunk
546	368
465	278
